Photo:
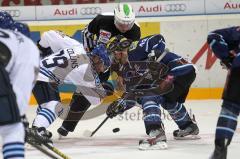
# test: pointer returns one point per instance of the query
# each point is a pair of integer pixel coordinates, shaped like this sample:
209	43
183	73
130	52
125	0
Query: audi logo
14	13
91	10
175	7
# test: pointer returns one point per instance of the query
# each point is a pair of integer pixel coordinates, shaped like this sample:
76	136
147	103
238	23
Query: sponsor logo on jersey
97	81
104	36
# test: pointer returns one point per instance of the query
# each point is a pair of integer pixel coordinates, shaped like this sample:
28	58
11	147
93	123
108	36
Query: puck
116	130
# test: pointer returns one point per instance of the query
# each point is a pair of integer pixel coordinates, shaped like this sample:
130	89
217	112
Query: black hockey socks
79	105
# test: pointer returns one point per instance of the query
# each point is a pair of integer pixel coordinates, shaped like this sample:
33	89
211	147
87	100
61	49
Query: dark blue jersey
223	41
139	50
170	64
177	64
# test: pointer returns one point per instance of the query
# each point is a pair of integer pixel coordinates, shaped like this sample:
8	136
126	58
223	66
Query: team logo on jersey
104	36
97	81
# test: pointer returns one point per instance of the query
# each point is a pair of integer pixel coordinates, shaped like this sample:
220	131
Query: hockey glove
166	84
44	51
226	63
116	107
157	69
119	106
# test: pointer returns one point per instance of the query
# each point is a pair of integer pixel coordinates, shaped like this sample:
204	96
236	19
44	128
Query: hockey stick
55	150
89	133
99	126
40	148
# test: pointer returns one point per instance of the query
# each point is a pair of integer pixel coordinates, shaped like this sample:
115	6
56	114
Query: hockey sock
13	150
152	115
227	121
78	106
47	115
178	113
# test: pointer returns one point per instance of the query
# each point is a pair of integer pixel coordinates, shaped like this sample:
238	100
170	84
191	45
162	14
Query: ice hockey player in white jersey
17	77
68	66
53	41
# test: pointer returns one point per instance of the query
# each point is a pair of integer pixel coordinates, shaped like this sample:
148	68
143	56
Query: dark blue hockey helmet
102	53
6	21
22	28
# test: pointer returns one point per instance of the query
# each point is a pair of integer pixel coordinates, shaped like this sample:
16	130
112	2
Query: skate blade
189	137
158	146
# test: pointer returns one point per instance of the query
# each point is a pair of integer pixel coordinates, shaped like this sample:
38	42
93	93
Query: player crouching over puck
153	78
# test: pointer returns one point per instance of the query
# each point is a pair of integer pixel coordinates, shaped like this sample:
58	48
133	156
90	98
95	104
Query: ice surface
124	144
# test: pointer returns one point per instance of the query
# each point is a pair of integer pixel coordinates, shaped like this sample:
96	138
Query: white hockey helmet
124	17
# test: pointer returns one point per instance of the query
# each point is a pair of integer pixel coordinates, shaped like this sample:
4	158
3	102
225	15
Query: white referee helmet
124	17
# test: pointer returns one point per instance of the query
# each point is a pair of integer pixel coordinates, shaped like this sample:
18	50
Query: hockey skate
189	133
219	153
156	141
40	139
39	135
62	132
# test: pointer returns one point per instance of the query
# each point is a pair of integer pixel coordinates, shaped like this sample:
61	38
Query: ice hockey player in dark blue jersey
225	43
166	84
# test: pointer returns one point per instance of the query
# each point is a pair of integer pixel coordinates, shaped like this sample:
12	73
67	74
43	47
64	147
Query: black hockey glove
116	107
157	69
119	106
226	63
153	66
166	84
44	51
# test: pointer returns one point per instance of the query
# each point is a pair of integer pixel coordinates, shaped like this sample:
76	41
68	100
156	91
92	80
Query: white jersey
57	40
72	66
23	65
